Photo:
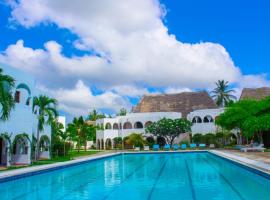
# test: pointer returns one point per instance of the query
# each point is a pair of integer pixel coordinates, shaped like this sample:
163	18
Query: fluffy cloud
80	100
173	90
128	45
133	42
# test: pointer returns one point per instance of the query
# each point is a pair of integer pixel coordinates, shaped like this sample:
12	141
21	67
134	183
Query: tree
81	132
46	114
6	97
169	128
136	140
59	134
94	115
251	117
122	112
222	94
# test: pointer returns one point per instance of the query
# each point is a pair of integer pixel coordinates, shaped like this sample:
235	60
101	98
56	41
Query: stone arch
196	119
18	93
108	143
208	119
115	126
147	124
108	126
138	125
127	125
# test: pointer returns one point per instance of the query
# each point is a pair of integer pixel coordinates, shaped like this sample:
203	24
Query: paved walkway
256	160
258	156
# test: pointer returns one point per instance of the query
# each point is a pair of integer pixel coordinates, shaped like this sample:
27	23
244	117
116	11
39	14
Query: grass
72	154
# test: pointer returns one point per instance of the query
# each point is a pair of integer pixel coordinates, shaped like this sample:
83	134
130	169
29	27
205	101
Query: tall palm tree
6	97
94	115
222	94
45	107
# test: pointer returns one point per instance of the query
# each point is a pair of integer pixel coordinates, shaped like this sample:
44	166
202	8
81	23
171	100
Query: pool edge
237	160
31	171
34	170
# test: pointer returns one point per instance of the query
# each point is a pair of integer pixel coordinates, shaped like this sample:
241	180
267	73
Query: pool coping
34	170
257	167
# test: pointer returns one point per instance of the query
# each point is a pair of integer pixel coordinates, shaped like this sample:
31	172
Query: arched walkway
108	144
21	149
108	126
138	125
44	147
115	126
127	125
147	124
4	151
98	144
102	144
208	119
196	119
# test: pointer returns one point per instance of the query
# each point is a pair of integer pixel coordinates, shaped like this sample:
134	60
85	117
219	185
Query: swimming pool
144	176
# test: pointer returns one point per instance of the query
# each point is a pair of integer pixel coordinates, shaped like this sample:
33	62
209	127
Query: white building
203	121
122	126
18	133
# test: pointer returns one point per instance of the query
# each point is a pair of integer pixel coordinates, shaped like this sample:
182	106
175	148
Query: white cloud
130	90
173	90
133	41
80	100
133	45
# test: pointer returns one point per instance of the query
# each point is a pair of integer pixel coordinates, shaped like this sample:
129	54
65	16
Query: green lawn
72	154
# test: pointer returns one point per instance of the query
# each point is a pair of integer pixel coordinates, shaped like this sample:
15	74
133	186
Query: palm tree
94	115
59	135
6	97
45	107
222	94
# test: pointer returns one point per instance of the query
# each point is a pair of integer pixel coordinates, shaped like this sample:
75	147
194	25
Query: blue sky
242	27
108	55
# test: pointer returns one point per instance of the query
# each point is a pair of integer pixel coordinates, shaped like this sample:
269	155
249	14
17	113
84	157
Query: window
17	96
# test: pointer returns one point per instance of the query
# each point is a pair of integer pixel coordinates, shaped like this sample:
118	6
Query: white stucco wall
204	127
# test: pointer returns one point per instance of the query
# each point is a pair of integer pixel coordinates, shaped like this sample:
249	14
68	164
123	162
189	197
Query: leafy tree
46	114
6	97
136	140
117	142
81	132
122	112
169	128
249	116
59	134
94	115
222	94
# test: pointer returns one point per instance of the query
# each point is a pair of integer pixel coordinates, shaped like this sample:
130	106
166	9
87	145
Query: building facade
19	131
121	126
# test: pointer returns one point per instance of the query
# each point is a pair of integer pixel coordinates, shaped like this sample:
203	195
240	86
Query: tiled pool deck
257	164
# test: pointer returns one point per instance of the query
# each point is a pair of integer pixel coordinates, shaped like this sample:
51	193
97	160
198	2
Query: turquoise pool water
144	176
